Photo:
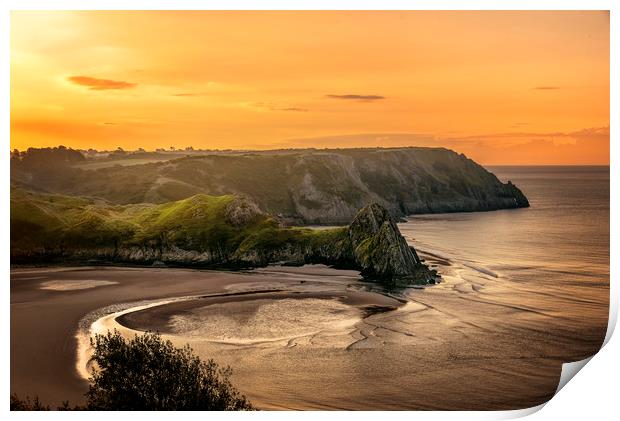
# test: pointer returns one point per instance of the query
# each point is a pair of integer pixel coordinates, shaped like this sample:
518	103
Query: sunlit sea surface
562	239
523	291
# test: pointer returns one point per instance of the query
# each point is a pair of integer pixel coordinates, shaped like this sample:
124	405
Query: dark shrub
148	373
18	404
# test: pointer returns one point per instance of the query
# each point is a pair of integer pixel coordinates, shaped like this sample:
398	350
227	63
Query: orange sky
502	87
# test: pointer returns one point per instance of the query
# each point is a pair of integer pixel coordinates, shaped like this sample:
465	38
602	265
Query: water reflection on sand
309	338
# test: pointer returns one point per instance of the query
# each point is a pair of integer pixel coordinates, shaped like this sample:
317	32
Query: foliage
38	158
26	404
148	373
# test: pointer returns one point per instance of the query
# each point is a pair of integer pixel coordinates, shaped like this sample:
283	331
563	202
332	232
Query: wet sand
313	337
44	322
158	318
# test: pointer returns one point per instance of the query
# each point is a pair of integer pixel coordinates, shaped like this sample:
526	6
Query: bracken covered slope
298	186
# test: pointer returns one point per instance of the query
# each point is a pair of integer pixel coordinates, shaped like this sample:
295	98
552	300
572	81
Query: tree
48	158
18	404
148	373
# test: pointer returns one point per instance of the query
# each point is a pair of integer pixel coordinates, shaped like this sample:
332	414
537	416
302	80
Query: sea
561	240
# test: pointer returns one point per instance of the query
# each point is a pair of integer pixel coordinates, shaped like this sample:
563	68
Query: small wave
445	260
482	270
101	321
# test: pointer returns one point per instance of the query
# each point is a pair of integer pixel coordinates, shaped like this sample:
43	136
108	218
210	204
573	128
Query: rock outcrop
381	251
372	243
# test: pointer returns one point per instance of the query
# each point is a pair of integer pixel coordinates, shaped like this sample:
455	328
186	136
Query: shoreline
139	317
52	375
408	344
156	319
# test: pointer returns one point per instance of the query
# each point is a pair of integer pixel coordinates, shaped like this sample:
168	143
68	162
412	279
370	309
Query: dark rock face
380	250
519	198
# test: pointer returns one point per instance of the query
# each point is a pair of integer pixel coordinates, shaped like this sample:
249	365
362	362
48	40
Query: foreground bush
147	373
18	404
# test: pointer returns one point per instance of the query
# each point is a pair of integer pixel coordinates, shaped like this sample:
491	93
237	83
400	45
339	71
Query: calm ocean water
562	239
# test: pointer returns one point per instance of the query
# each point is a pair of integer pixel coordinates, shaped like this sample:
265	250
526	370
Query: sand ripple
266	320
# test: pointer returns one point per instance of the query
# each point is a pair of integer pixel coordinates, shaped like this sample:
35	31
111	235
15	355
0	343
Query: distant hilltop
298	186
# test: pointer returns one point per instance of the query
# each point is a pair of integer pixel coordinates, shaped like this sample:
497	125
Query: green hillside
208	231
223	226
299	186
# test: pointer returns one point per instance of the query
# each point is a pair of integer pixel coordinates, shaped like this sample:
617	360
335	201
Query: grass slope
226	227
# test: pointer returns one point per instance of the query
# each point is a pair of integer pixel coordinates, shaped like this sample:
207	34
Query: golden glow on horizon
502	87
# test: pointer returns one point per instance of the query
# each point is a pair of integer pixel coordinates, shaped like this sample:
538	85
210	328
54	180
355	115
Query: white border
593	394
313	5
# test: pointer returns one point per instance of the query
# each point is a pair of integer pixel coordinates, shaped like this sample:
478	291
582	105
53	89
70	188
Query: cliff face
299	186
207	231
379	248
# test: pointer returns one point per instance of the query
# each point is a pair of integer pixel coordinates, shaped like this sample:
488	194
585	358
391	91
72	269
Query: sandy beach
44	322
305	338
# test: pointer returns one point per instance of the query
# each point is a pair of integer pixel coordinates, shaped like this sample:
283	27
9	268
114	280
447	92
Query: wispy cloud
589	145
190	94
275	107
546	88
303	110
96	84
362	140
591	132
203	89
356	97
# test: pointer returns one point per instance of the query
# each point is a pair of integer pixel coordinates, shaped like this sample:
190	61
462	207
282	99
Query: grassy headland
299	186
209	231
